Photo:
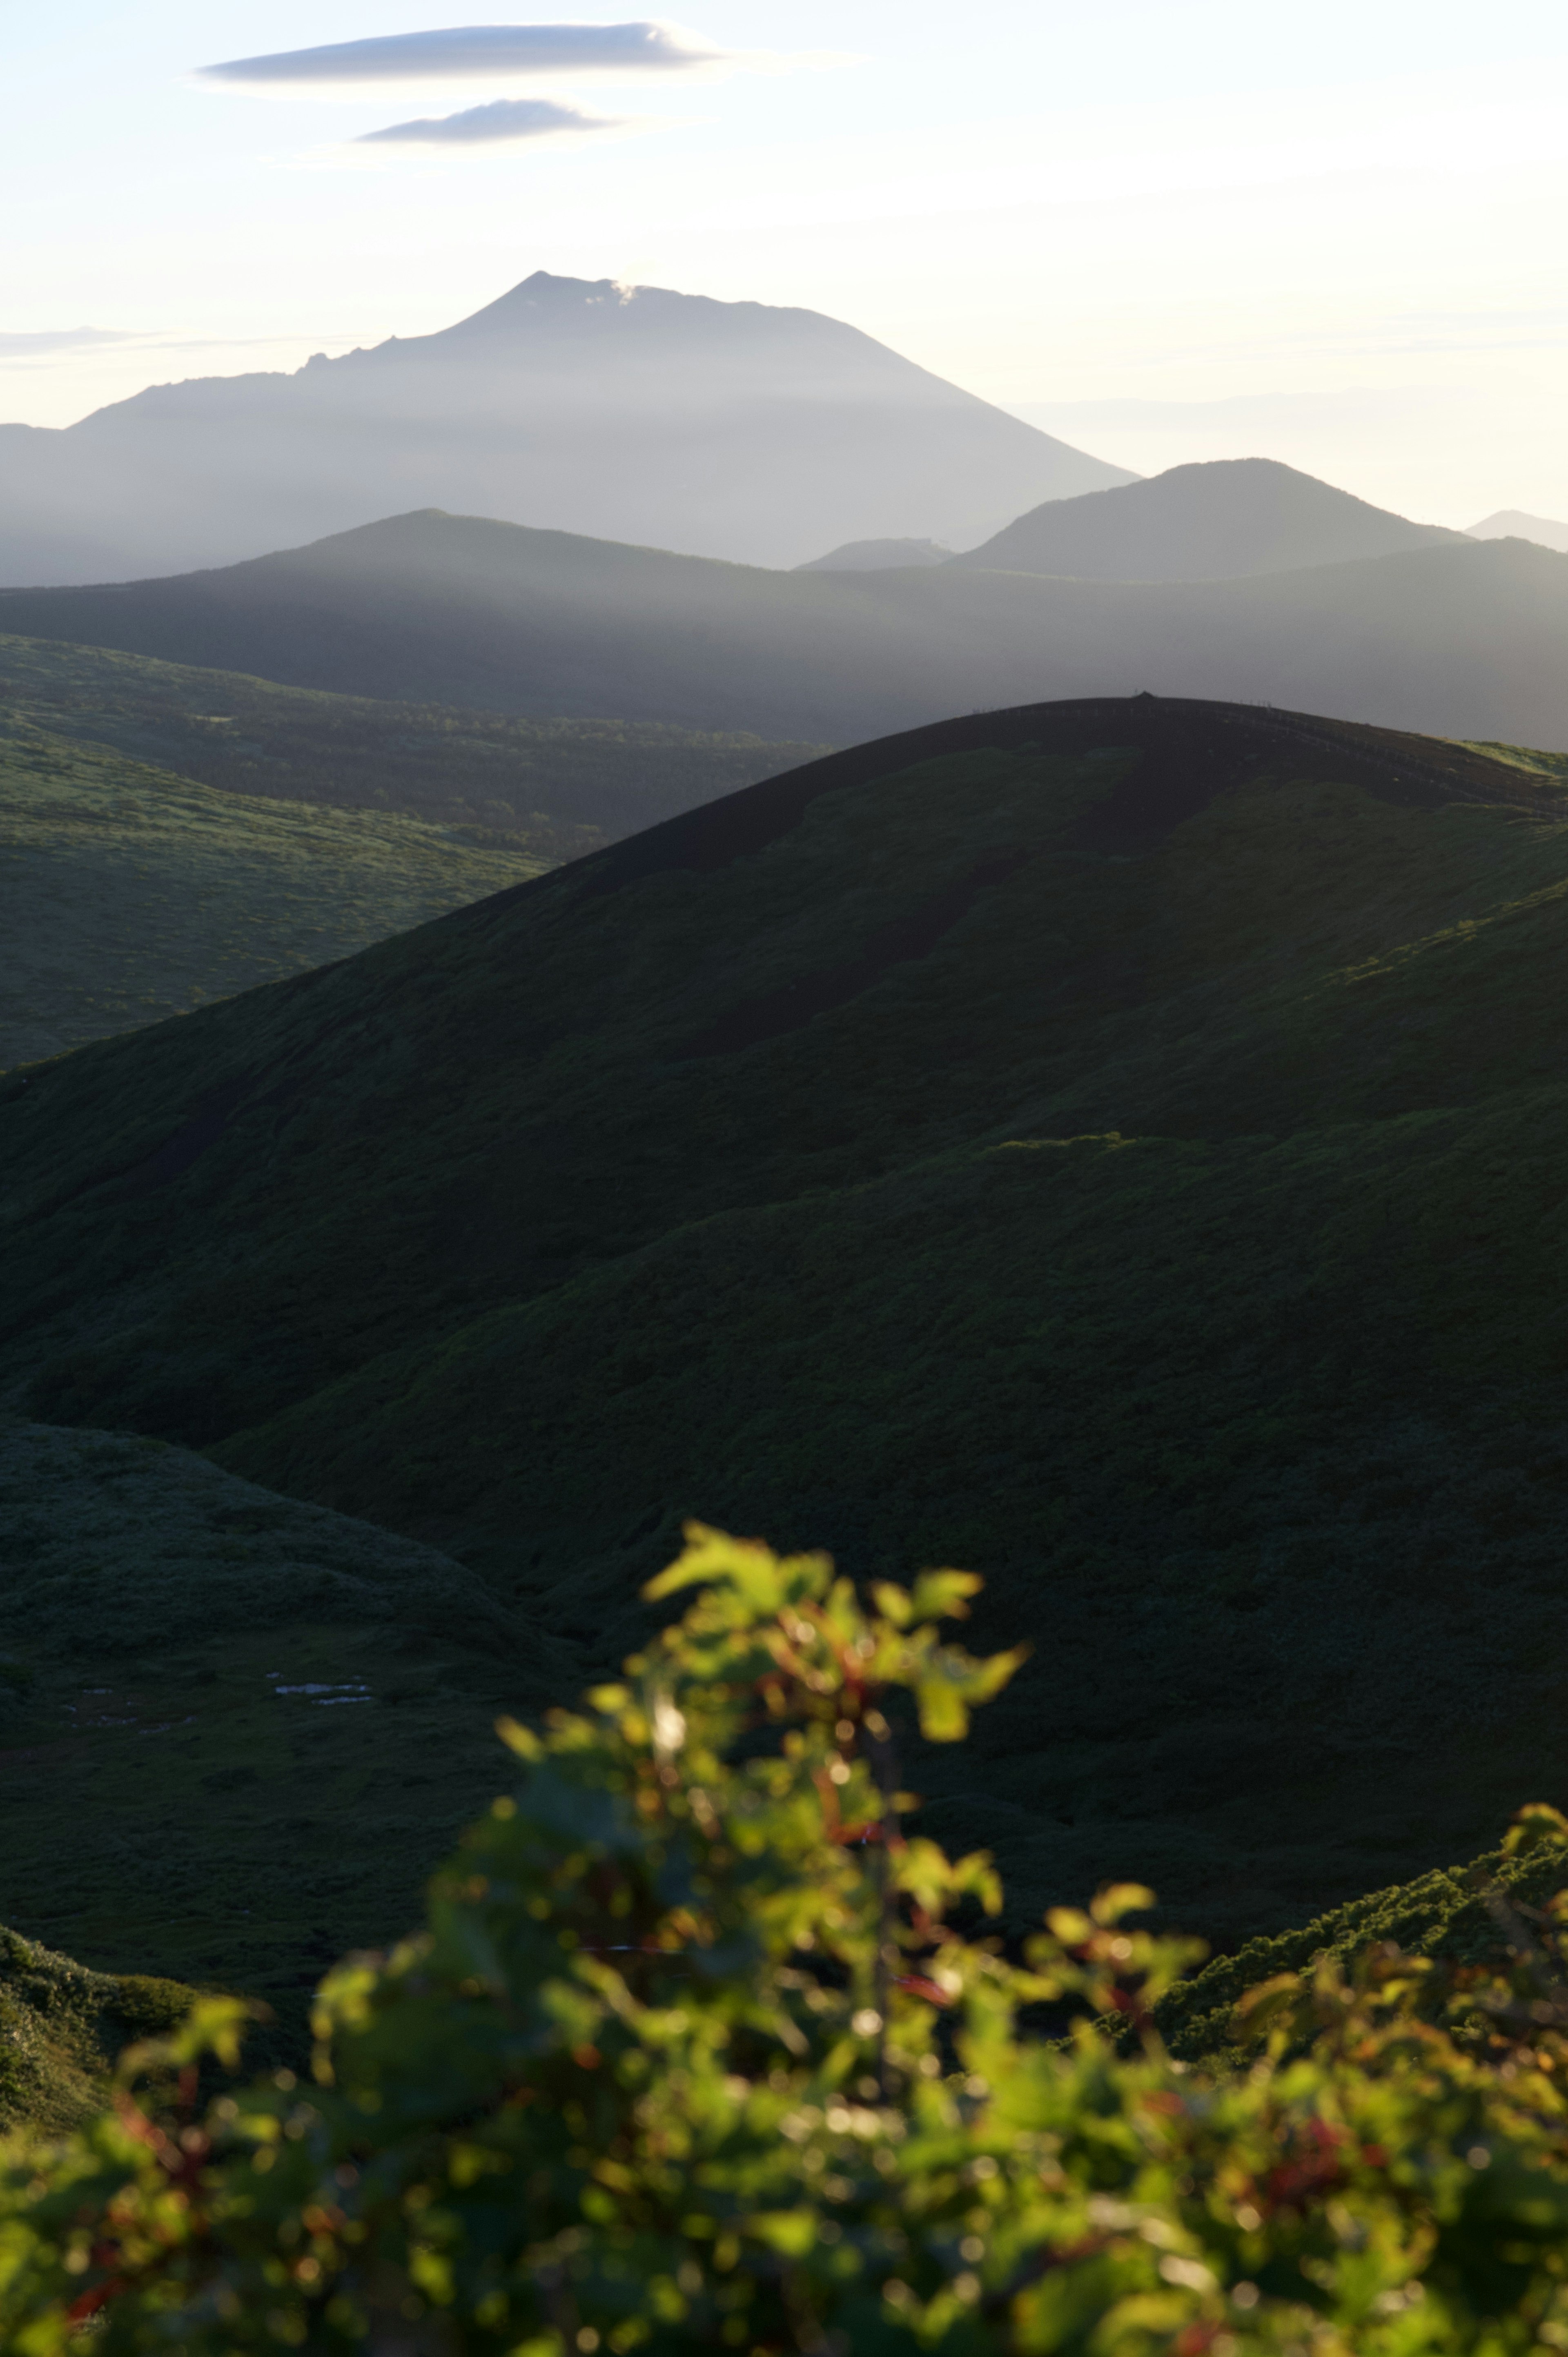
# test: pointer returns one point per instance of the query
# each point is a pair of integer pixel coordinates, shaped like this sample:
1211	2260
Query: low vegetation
61	2028
131	894
562	787
237	1730
698	2049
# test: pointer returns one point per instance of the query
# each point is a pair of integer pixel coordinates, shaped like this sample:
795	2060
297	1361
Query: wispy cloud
60	340
504	118
465	52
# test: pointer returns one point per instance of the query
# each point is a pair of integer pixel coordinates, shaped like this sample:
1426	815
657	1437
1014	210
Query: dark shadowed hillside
1116	1146
1461	637
1215	521
201	1685
732	429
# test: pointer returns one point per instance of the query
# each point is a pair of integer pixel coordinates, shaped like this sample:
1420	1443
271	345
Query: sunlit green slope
128	894
61	2025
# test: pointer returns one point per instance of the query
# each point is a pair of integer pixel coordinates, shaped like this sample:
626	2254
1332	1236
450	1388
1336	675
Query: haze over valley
1436	632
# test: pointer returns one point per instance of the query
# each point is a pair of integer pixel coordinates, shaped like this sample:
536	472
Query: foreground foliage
694	2053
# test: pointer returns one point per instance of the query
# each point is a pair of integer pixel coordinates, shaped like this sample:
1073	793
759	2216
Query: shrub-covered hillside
698	2049
1118	1147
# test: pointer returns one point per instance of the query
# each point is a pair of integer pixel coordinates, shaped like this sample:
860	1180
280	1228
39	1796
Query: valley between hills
173	835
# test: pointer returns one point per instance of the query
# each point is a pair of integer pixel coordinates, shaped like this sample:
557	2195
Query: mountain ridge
1513	524
1461	637
1220	518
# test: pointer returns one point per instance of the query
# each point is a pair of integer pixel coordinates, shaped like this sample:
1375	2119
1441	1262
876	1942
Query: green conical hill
1117	1147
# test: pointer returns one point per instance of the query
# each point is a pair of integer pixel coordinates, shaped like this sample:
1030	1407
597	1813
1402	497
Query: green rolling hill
1114	1146
170	835
129	894
564	786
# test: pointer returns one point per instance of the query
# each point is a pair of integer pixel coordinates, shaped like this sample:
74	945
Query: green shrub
692	2054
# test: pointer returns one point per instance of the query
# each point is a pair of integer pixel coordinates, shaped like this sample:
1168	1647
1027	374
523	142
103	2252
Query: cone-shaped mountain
735	430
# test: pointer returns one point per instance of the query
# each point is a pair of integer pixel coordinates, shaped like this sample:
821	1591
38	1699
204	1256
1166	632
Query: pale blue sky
1334	235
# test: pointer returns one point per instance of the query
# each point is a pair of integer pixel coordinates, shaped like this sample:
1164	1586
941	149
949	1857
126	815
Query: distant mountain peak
1513	524
877	557
541	290
748	431
1208	520
544	305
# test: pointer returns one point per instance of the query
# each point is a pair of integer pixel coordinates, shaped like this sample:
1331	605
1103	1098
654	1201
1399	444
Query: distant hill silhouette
1212	522
1459	638
730	429
877	556
1512	523
1114	1144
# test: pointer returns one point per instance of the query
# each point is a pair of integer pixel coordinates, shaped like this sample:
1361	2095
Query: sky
1162	232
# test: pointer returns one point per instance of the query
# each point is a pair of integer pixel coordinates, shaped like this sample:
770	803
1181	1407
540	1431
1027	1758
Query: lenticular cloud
504	118
466	51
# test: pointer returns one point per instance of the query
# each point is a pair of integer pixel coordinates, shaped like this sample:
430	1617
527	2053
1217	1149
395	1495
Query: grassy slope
129	895
62	2025
1443	1913
565	785
175	1794
1178	1240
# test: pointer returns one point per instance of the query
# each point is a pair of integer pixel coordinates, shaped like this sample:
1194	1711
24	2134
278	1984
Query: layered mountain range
1445	633
1112	1139
726	429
